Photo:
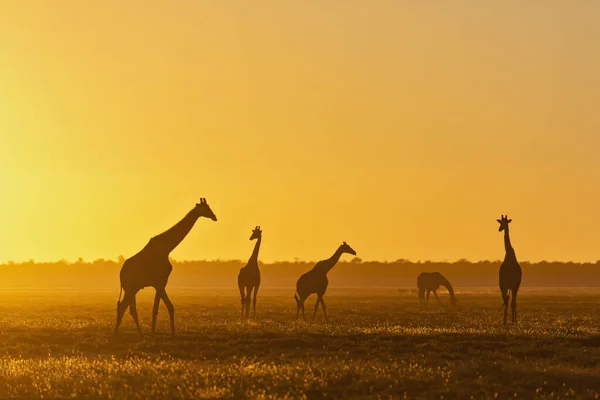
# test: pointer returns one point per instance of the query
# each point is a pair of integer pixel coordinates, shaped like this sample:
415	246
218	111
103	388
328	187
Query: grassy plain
377	344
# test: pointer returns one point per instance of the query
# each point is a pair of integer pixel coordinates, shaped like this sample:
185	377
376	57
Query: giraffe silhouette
315	281
249	276
431	282
510	272
151	268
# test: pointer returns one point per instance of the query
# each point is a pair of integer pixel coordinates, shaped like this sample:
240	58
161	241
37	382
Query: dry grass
377	344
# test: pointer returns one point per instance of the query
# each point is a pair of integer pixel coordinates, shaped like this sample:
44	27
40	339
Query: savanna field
378	343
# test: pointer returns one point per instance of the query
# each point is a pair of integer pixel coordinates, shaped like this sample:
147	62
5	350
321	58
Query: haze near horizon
403	128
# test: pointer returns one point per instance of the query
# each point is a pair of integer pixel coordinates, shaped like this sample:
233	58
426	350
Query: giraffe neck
507	245
448	286
168	240
254	256
330	262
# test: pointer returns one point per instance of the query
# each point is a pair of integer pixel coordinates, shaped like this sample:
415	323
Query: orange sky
403	128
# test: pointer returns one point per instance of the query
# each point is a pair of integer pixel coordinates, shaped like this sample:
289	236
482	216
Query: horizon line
120	259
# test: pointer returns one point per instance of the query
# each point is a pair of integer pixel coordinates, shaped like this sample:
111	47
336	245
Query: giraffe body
312	282
151	268
510	273
249	276
315	281
145	269
430	282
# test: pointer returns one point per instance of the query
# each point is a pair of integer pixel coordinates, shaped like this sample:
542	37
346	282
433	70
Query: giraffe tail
120	293
505	297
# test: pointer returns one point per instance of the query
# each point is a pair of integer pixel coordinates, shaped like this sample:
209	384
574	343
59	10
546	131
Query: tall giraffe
315	281
249	276
151	267
431	282
510	271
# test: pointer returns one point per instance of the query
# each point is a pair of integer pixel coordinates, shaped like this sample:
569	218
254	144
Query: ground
378	343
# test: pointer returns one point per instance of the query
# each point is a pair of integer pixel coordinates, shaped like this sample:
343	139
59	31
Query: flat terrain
378	343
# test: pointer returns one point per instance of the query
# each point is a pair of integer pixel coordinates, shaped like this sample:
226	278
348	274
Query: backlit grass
376	344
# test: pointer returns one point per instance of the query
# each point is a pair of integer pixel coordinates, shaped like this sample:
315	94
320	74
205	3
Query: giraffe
249	276
151	267
510	272
431	282
315	281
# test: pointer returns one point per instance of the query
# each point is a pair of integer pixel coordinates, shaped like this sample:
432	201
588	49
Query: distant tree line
104	274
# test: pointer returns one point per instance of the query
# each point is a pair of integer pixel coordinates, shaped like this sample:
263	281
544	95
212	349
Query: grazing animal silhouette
249	276
431	282
315	281
510	272
151	268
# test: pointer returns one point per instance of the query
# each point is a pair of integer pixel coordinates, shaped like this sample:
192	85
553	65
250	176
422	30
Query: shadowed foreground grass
377	344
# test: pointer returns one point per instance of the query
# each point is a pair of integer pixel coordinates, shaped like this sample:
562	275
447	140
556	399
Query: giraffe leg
422	297
436	296
243	297
121	308
167	301
299	304
427	298
316	308
155	312
248	300
505	300
254	301
513	306
302	307
134	314
324	308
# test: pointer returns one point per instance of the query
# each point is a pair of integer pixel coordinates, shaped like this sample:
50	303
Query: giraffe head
504	221
345	248
256	233
203	210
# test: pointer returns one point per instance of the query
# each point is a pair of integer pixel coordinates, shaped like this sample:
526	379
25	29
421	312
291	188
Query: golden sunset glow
403	128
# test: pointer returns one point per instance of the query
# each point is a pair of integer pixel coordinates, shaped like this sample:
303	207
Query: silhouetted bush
104	274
